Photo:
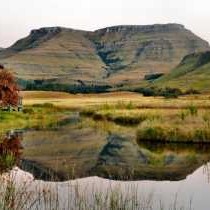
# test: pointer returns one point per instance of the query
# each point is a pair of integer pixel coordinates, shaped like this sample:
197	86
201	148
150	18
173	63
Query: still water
100	156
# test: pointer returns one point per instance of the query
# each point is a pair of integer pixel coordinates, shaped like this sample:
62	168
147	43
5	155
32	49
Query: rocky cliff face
141	28
118	54
133	51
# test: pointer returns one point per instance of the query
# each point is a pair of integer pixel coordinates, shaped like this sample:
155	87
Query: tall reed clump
163	132
124	117
30	195
15	196
187	125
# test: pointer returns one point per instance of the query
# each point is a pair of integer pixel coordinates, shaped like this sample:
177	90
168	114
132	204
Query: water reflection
75	152
206	171
10	150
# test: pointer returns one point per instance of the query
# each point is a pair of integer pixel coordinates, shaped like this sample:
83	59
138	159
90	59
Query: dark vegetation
200	59
165	92
151	77
69	88
191	73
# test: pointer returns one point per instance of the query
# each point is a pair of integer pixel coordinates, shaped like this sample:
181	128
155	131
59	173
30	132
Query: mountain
192	73
113	55
59	54
131	52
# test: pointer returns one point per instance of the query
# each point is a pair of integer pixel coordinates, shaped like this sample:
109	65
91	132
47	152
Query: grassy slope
192	73
66	57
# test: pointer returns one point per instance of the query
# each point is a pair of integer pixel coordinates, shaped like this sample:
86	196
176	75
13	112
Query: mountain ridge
112	55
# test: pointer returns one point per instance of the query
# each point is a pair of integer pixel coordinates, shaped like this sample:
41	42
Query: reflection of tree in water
10	151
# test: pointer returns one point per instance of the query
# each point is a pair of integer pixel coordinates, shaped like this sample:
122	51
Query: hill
56	54
114	55
192	73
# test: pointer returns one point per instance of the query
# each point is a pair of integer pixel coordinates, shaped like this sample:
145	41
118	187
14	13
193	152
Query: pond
100	156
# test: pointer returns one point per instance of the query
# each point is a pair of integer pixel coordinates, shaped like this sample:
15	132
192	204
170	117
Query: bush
148	91
128	120
191	92
154	91
152	77
193	110
28	111
50	85
45	105
151	134
171	92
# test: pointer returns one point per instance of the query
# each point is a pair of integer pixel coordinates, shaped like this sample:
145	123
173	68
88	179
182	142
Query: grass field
185	119
137	100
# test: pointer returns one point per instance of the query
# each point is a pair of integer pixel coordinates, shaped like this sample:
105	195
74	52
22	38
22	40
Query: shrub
148	91
45	105
171	92
202	135
154	91
28	111
191	92
50	85
87	113
151	134
98	116
193	110
128	120
183	115
130	105
152	77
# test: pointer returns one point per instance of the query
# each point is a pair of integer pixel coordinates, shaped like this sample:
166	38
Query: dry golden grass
184	119
137	100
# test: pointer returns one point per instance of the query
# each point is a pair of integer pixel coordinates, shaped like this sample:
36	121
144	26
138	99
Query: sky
19	17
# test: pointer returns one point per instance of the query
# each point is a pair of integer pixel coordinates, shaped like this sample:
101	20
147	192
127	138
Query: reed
31	195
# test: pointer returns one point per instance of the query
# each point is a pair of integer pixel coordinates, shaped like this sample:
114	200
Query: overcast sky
19	17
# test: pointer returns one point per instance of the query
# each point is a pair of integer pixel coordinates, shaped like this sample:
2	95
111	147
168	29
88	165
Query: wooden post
20	104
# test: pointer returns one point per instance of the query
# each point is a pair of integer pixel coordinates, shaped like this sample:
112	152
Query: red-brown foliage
8	89
11	145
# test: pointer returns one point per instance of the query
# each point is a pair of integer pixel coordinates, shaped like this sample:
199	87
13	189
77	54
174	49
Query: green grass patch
38	116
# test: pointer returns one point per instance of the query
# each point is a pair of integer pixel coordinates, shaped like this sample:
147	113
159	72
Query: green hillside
192	73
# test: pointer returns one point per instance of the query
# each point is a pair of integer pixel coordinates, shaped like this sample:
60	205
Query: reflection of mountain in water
74	151
122	159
